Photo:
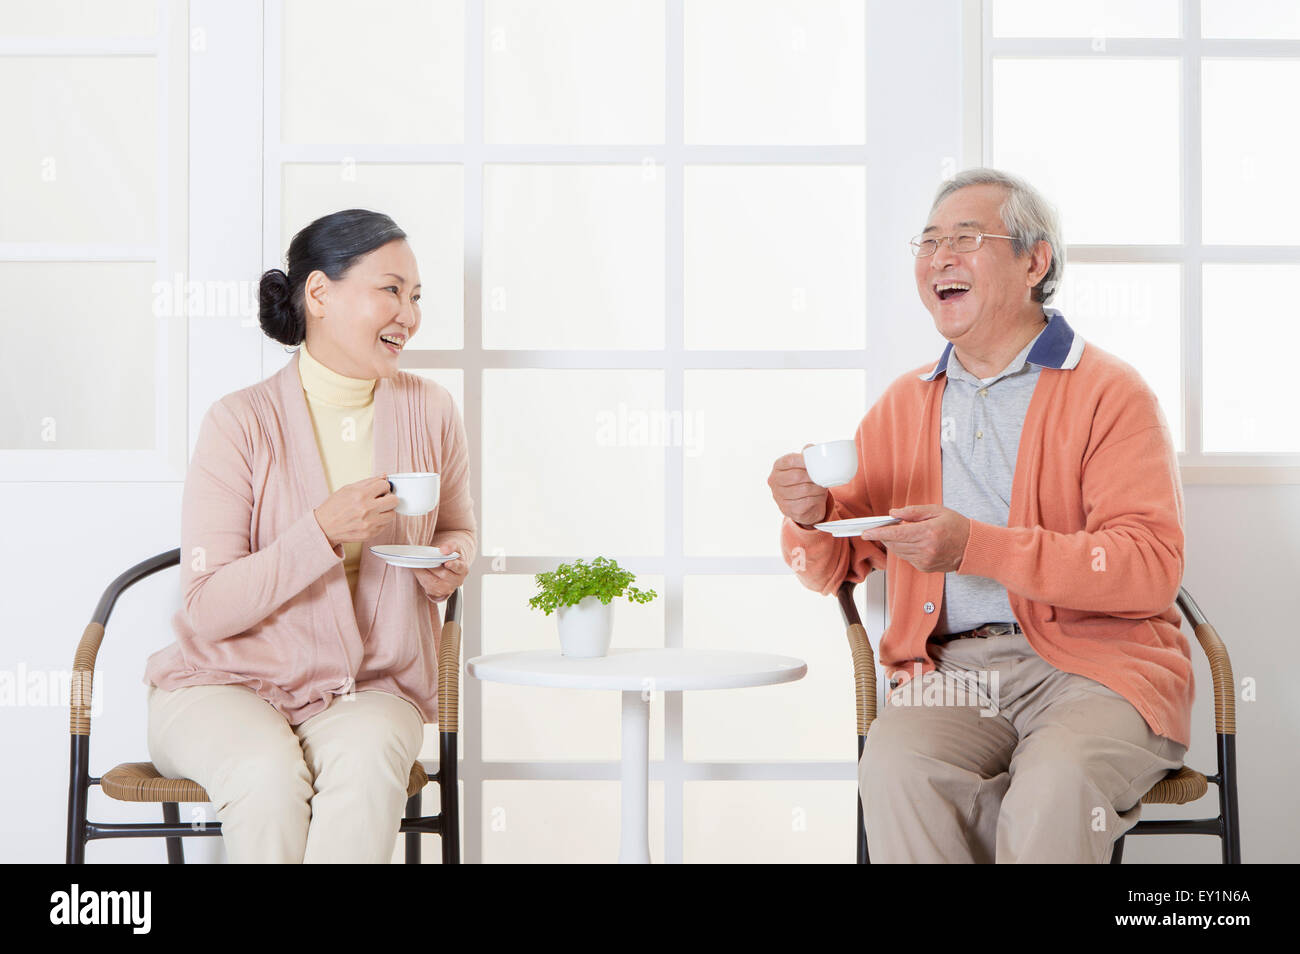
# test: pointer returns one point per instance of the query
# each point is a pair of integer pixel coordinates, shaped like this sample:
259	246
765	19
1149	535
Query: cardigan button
929	607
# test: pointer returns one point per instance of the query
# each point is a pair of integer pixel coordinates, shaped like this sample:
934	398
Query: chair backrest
129	577
1225	696
449	668
83	665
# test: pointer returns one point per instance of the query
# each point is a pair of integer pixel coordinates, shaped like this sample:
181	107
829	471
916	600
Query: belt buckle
996	629
979	632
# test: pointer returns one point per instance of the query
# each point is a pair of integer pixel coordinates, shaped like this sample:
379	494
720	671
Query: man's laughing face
964	291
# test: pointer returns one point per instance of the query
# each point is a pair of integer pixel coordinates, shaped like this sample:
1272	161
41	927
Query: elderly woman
304	667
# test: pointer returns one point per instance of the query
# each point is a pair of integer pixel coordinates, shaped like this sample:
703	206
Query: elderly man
1033	575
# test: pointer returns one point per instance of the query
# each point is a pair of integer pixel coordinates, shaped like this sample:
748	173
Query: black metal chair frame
1226	825
80	830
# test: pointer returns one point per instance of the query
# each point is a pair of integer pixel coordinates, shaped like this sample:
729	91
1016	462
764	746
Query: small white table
637	673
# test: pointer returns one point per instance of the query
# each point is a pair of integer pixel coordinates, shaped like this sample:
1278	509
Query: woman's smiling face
377	298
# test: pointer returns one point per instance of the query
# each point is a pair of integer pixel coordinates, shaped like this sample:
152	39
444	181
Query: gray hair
1029	218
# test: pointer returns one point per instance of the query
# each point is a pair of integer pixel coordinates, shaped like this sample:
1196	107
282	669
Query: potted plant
582	595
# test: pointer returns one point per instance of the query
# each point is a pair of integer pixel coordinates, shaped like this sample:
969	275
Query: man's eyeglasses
959	242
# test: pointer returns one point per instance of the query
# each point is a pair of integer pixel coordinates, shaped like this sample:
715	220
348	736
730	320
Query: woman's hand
357	512
441	581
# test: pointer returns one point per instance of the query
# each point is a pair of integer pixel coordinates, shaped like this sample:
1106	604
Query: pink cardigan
266	600
1092	554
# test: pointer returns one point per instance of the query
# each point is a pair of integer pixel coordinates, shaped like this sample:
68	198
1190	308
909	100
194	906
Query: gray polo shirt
979	437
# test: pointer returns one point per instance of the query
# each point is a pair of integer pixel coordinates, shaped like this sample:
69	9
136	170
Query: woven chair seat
1177	788
140	782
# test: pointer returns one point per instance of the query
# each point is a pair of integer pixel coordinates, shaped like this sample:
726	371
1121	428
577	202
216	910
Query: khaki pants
332	789
999	756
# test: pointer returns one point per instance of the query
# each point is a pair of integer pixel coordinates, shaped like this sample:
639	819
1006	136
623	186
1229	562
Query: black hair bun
275	312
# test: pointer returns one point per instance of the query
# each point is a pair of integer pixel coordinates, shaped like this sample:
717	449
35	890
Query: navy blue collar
1057	346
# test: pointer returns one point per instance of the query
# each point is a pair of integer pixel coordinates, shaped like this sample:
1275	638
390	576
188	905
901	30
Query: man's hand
795	494
441	581
931	537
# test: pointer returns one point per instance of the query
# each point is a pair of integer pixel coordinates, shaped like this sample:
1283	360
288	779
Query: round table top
665	670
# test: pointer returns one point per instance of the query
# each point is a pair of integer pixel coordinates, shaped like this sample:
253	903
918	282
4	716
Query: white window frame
167	460
672	157
1196	465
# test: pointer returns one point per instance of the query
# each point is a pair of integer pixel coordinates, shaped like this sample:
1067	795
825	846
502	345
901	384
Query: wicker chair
141	782
1179	787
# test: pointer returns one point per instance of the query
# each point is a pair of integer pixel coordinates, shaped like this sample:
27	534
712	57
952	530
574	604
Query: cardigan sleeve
1126	562
228	589
456	524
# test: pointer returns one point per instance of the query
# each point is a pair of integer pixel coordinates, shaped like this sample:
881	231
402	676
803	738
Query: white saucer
854	525
416	557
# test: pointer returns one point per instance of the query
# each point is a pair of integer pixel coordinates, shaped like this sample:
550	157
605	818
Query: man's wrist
826	512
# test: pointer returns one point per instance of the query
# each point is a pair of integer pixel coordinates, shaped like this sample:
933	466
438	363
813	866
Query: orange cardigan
1092	556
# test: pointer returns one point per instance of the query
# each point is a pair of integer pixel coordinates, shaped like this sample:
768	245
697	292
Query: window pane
577	724
569	822
1246	408
810	719
775	71
573	462
775	257
394	72
737	423
1106	194
426	201
767	822
79	162
79	18
1089	18
1251	19
573	256
1248	155
1134	312
574	71
92	385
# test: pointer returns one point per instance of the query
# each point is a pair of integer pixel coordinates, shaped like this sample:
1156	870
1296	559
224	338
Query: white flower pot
585	629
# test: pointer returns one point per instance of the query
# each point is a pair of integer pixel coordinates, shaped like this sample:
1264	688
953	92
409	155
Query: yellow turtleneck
342	414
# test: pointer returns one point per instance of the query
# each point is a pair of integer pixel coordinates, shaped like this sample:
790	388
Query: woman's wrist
328	539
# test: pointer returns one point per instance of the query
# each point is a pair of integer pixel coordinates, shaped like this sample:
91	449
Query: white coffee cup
832	463
416	492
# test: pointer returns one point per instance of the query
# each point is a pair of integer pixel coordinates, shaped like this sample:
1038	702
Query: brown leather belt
980	632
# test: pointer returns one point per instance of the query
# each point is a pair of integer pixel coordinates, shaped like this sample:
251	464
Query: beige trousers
332	789
997	756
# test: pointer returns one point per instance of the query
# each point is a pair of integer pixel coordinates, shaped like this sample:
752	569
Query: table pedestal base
634	844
